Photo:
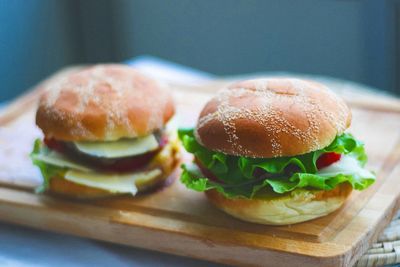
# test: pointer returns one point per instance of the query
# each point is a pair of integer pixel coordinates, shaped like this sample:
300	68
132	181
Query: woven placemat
386	251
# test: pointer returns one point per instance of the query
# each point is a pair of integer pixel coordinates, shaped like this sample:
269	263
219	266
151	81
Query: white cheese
347	165
115	183
119	148
57	159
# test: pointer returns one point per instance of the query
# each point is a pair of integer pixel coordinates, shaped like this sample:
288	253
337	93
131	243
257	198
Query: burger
106	133
275	151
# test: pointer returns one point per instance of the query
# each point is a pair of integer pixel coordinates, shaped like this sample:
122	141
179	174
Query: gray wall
353	40
36	38
227	37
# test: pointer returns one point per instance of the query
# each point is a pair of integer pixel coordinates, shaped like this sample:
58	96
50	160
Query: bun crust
167	160
267	118
61	187
103	103
294	207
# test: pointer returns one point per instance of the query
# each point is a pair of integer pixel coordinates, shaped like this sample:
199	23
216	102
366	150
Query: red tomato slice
327	159
54	144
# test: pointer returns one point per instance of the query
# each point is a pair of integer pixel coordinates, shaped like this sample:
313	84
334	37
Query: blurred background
357	40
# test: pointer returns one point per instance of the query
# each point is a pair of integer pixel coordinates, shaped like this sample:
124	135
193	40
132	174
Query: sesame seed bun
103	103
267	118
294	207
276	117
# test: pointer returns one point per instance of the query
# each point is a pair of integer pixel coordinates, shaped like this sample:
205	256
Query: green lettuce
48	171
281	175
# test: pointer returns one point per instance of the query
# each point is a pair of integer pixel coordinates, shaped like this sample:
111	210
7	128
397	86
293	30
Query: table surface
21	246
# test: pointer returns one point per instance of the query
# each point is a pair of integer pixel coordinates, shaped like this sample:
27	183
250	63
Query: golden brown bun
294	207
266	118
103	102
167	160
60	186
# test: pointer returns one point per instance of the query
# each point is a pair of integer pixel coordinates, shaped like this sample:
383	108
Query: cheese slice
120	148
57	159
347	165
115	183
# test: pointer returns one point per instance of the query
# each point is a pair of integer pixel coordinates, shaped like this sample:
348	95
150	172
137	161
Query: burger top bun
265	118
103	103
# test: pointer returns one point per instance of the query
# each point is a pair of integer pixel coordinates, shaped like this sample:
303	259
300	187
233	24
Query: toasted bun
294	207
267	118
104	102
167	160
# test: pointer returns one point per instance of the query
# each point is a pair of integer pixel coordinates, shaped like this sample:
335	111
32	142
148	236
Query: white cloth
24	247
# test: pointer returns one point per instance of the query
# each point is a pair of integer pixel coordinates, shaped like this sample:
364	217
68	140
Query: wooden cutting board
178	221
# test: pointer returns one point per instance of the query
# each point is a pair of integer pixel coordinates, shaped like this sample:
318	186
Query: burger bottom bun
294	207
167	160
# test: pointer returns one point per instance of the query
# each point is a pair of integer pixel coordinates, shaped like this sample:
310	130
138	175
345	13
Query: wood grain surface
178	221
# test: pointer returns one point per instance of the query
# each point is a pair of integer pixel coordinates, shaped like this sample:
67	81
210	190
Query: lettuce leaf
281	175
48	171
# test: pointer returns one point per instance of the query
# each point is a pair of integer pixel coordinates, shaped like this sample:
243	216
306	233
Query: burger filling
235	176
119	156
114	166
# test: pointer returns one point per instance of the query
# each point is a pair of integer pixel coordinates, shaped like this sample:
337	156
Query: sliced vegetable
48	171
246	177
327	159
